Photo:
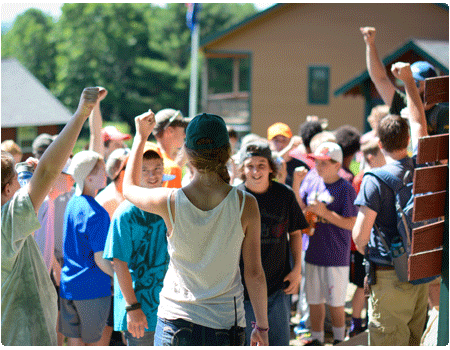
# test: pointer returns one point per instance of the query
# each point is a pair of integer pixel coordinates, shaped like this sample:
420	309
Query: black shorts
357	269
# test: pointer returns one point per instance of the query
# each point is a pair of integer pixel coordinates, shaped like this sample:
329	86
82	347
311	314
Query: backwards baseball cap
279	129
116	162
110	132
328	151
41	143
168	117
206	131
81	166
257	148
422	70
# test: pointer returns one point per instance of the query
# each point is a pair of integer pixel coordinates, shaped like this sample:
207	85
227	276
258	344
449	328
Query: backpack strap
389	179
395	184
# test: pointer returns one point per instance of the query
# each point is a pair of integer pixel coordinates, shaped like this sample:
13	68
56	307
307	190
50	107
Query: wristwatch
135	306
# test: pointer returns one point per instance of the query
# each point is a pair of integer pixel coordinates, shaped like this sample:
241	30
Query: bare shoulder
248	197
251	208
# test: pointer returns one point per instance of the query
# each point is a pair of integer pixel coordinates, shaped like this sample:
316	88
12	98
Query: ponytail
211	160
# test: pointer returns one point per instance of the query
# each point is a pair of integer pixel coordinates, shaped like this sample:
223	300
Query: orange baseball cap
279	129
150	146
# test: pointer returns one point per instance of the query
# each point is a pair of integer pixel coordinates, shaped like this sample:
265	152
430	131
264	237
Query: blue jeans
279	313
146	340
184	333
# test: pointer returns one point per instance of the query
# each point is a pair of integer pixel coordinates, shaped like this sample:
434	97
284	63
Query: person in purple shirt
327	258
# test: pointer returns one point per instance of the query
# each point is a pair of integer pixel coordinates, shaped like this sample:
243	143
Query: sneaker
355	331
307	339
301	328
335	342
313	342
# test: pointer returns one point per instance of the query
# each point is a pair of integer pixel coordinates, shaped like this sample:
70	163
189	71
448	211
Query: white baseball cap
81	166
328	151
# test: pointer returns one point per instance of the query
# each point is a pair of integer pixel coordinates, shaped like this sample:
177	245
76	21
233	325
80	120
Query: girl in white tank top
209	225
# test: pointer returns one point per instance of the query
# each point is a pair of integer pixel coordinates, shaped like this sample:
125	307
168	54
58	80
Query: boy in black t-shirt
280	215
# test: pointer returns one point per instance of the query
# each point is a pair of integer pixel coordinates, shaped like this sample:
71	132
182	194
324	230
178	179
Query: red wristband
255	326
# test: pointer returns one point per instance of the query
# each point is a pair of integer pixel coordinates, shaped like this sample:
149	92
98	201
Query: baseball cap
206	131
152	147
81	166
257	148
328	151
116	162
422	70
41	143
279	129
168	117
110	132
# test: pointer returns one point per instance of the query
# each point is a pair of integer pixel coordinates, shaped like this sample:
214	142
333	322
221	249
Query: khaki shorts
397	311
84	319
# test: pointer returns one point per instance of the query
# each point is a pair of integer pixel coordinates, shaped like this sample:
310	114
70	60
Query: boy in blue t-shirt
85	288
327	258
138	246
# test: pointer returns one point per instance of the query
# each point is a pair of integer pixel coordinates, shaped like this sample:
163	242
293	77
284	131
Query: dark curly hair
308	130
348	137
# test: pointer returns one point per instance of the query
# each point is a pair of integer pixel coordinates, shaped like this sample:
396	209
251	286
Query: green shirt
437	116
29	300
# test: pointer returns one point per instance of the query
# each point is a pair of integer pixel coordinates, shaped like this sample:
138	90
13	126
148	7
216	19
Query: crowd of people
203	238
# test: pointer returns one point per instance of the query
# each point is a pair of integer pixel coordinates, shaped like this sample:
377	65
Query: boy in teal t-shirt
138	246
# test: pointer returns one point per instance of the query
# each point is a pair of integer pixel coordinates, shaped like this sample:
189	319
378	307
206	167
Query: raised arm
416	112
54	158
376	68
95	125
151	200
254	276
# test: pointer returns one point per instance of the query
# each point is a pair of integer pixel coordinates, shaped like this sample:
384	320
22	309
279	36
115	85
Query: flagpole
194	69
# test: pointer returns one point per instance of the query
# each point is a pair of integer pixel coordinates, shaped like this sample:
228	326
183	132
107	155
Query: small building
293	60
28	107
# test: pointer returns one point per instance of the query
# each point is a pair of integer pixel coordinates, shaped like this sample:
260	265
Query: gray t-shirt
29	300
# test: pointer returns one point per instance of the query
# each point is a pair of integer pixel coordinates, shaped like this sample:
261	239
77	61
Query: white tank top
203	277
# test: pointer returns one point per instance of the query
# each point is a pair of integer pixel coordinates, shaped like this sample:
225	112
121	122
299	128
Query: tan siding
285	43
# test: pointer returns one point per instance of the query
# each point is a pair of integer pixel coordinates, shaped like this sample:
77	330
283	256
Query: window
226	89
25	137
220	73
318	84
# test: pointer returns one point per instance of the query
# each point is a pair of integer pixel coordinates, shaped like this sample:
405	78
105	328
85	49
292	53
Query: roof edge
409	45
215	36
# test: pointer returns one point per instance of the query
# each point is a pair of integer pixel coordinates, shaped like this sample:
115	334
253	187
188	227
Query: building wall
295	36
11	134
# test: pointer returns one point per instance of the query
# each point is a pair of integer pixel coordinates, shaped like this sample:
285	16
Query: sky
9	11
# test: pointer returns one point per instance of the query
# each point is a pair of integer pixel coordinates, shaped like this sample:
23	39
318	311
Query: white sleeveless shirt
203	275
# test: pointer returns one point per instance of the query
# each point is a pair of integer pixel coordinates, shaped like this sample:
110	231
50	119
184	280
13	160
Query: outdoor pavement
360	339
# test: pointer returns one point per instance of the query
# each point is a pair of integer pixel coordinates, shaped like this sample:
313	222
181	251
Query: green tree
138	51
32	43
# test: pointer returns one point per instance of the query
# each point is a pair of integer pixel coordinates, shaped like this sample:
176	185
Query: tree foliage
138	51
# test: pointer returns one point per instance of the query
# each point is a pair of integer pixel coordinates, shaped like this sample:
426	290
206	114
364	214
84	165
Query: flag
191	15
